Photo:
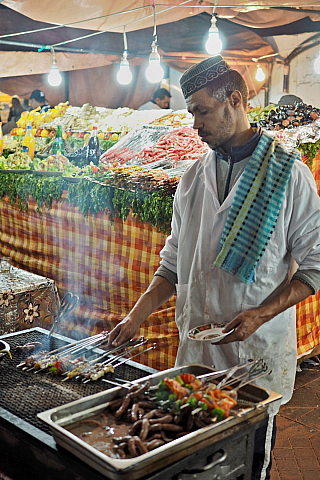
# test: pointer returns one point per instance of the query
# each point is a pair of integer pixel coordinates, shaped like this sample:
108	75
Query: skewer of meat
108	366
92	367
69	348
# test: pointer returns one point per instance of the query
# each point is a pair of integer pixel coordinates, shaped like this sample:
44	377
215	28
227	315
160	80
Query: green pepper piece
217	413
162	394
203	405
54	371
179	379
162	385
192	401
176	407
172	397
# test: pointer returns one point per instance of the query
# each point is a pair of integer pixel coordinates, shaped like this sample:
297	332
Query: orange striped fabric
308	311
107	264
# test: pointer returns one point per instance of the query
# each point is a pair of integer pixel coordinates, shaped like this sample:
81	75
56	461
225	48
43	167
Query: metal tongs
229	372
67	304
258	369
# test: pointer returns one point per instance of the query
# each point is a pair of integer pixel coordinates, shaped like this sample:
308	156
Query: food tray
134	468
47	174
72	179
15	170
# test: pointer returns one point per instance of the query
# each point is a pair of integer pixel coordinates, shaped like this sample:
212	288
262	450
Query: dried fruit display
290	116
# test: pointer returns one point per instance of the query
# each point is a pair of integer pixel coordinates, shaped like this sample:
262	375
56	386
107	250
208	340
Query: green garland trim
310	150
91	198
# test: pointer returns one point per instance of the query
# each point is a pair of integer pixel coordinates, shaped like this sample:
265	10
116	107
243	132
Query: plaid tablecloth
107	264
308	311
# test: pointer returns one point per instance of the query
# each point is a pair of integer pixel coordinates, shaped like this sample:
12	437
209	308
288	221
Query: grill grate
25	394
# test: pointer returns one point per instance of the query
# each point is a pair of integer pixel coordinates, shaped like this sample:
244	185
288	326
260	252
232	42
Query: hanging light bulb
124	75
260	75
54	77
154	72
214	44
316	64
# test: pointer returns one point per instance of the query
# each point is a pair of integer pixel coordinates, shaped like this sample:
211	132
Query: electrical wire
72	23
130	23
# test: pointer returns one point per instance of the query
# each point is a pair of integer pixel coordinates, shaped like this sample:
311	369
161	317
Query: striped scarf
255	208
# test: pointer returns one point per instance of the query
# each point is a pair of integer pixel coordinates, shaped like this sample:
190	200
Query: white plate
210	332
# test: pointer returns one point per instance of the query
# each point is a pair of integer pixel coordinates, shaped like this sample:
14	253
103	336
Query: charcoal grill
28	449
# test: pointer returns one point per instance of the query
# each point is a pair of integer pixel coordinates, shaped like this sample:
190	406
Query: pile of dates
290	116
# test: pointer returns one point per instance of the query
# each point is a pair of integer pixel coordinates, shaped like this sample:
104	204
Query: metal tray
134	468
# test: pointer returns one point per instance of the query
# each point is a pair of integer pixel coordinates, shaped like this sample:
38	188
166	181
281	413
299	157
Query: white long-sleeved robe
207	294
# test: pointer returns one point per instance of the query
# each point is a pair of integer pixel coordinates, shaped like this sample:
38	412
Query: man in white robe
261	312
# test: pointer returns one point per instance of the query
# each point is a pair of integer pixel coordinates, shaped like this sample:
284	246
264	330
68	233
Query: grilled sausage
132	447
165	438
125	405
165	419
135	427
154	444
134	412
144	429
121	453
119	440
141	445
165	426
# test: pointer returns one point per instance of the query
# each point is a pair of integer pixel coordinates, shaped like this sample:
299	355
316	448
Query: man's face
215	121
163	103
33	103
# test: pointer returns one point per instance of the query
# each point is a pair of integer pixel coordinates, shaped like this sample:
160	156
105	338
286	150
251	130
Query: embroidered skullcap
199	75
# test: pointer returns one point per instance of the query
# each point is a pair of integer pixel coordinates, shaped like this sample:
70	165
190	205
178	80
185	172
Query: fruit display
290	116
120	120
37	119
256	114
180	118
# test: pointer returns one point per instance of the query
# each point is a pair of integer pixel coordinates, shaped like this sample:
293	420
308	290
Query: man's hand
247	322
244	325
159	291
125	330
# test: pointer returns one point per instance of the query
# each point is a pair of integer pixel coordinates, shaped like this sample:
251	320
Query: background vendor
38	99
160	99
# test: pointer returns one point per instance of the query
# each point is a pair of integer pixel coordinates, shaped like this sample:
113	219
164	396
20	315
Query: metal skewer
118	357
83	342
143	351
258	368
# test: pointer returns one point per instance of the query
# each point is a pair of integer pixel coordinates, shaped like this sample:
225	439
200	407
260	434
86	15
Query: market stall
98	231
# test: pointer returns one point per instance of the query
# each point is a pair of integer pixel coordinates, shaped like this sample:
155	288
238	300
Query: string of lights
154	71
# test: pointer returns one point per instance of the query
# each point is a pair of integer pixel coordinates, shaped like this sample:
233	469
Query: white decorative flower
31	312
5	298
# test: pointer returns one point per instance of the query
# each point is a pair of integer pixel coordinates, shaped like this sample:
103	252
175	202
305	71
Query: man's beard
222	134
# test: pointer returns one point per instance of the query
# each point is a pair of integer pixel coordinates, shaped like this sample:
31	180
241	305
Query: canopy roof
111	16
98	27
